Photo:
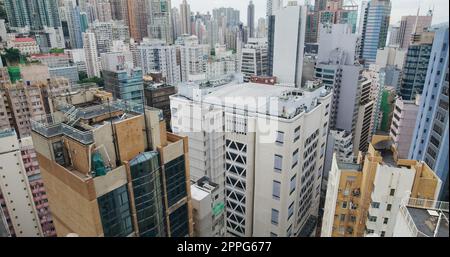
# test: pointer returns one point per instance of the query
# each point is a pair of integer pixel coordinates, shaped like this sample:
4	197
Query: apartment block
111	169
254	58
431	130
157	96
364	197
16	196
208	209
272	180
403	125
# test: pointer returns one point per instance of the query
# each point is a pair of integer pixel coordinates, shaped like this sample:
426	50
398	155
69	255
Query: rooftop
24	39
279	100
427	217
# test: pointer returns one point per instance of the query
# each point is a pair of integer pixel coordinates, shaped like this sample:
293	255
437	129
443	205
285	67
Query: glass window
344	205
389	207
276	190
275	216
280	137
278	163
290	210
292	184
392	193
295	158
375	205
385	220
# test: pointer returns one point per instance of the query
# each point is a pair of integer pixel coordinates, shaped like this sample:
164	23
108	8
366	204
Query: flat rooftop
427	223
277	100
349	166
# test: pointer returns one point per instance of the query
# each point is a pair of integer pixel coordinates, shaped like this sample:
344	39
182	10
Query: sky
399	7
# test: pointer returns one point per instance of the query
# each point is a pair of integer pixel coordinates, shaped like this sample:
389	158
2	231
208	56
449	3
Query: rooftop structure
422	218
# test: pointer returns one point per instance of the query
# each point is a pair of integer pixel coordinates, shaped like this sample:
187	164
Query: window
292	184
280	137
275	216
370	231
290	210
385	220
344	205
392	193
389	207
297	134
276	190
295	158
375	205
342	217
278	163
383	233
289	231
372	218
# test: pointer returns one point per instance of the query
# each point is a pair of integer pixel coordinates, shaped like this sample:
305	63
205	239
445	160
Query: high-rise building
107	32
73	19
394	35
119	10
338	69
286	44
91	54
374	25
16	195
410	25
261	31
157	95
185	15
254	58
128	178
125	83
103	8
251	19
157	56
138	19
193	57
272	6
429	142
209	210
272	181
364	197
34	14
160	21
402	127
415	66
176	23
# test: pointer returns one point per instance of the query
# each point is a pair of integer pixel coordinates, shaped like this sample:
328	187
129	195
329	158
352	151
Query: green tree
12	56
82	75
99	81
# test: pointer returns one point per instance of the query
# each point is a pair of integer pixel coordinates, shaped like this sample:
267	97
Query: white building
209	209
77	57
3	31
193	56
26	45
107	32
157	56
403	124
15	189
391	56
274	138
91	54
286	43
254	59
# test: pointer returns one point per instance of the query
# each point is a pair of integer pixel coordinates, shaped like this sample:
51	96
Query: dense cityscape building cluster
142	118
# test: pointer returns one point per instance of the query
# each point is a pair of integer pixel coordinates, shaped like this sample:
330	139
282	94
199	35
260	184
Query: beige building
364	198
111	171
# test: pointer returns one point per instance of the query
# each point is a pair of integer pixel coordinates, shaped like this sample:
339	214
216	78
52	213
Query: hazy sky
399	7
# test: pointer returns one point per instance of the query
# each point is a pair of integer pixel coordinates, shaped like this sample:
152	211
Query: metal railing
427	204
85	137
47	125
7	133
421	204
